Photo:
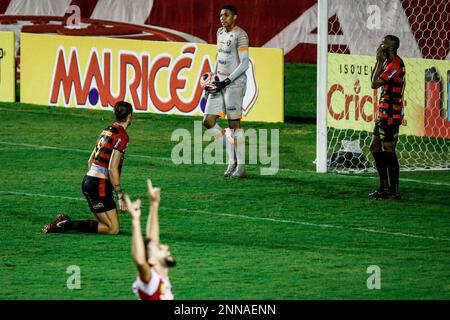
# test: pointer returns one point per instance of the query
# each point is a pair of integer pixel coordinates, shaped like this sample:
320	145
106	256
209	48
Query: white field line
43	147
292	222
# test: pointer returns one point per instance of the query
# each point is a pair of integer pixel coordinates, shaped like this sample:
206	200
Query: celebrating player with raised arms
228	96
152	258
103	177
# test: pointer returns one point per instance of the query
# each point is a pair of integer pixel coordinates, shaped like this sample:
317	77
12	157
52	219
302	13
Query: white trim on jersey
149	288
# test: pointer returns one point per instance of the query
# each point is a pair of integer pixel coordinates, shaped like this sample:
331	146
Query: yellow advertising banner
158	77
7	67
352	104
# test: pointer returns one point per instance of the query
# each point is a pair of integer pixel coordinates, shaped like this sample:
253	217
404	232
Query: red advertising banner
422	25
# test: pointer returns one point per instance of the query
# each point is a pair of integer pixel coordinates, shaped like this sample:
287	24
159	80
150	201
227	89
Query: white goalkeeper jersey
228	45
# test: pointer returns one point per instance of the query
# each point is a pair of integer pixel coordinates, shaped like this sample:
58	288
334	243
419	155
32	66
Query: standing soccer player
152	258
105	166
232	62
389	74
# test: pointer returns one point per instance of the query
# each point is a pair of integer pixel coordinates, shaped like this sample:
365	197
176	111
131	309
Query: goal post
322	79
349	33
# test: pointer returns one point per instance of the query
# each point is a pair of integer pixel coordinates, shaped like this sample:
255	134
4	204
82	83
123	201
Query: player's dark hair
394	39
170	263
231	8
122	109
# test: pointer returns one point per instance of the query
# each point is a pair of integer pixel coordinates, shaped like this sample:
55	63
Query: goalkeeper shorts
227	103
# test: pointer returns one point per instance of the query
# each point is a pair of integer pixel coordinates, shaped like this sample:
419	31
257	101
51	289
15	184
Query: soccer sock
380	163
90	226
393	170
230	148
240	146
218	133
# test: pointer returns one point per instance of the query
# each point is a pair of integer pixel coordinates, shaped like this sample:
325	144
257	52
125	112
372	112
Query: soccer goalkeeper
232	62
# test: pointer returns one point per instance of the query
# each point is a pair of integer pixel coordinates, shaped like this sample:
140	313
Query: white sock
218	134
240	146
230	148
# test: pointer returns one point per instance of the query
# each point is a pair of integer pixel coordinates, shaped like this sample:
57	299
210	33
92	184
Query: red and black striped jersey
112	137
391	99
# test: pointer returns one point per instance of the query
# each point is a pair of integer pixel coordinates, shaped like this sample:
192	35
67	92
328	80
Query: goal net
355	30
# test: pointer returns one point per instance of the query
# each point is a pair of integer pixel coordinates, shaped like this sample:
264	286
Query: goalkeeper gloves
222	84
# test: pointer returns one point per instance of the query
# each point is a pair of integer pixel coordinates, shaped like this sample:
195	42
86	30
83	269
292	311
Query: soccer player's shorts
386	132
98	193
227	103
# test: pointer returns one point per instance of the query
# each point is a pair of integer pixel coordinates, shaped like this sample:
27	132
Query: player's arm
91	158
243	65
152	230
114	177
375	78
385	75
137	242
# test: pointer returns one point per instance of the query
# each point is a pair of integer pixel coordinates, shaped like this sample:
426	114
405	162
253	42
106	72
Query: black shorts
98	193
386	132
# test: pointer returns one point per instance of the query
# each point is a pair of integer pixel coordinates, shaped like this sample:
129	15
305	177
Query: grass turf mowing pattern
295	235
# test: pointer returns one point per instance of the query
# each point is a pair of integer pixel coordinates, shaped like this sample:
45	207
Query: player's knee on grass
113	230
108	222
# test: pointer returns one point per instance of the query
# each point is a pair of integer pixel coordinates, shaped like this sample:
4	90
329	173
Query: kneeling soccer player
105	166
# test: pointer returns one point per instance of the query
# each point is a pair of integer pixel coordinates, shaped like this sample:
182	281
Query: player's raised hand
154	194
134	208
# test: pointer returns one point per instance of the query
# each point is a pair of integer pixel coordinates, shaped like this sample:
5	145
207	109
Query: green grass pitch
295	235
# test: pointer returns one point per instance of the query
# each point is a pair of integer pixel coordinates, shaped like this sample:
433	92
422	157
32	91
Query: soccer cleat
230	170
240	172
378	194
57	225
394	196
389	196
